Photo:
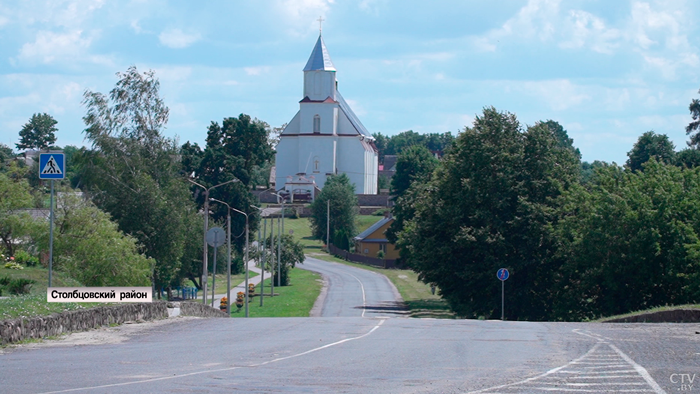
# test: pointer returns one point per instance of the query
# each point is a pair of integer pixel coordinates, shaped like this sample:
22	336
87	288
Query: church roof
319	59
351	115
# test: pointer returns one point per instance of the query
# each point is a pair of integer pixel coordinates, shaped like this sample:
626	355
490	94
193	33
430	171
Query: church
325	137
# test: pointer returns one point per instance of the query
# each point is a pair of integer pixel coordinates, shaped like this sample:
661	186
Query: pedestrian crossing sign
52	165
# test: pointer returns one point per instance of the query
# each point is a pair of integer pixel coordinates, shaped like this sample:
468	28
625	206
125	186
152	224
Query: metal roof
319	59
372	229
354	120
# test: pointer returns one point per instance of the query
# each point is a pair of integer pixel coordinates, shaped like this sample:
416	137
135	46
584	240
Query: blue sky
606	70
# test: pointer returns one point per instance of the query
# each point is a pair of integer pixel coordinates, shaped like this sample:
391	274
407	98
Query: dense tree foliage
436	143
490	205
650	145
693	126
628	243
92	249
343	205
236	149
14	196
134	173
291	255
413	167
38	133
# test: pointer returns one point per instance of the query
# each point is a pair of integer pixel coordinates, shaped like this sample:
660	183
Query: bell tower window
317	124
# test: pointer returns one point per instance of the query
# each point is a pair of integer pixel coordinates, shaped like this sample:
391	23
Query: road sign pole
51	235
503	297
213	279
261	258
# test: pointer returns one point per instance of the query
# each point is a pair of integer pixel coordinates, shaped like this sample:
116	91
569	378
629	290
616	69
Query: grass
31	305
652	310
295	300
221	283
41	277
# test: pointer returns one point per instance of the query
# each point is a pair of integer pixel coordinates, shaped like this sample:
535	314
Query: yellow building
372	240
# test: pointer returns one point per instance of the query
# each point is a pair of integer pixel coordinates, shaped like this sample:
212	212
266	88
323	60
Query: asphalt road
377	353
354	292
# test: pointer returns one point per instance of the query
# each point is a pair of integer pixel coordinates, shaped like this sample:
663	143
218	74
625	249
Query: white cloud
49	47
371	7
585	29
256	70
301	15
176	38
3	20
533	21
559	94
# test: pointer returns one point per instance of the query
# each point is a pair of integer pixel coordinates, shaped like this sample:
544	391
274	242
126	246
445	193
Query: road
354	292
377	353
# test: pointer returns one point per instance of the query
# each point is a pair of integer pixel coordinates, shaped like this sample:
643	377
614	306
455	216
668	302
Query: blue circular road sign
502	274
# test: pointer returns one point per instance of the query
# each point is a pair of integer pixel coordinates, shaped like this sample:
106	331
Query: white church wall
326	111
286	160
293	125
344	125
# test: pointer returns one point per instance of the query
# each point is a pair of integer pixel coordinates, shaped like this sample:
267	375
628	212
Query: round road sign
502	274
216	236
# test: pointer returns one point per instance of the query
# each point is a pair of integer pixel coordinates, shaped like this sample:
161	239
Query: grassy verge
40	276
221	283
644	312
295	300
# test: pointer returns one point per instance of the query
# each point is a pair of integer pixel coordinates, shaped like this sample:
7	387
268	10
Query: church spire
319	59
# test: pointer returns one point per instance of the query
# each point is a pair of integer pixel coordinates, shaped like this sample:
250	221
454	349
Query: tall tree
693	126
134	173
650	145
415	164
489	206
343	206
38	133
14	195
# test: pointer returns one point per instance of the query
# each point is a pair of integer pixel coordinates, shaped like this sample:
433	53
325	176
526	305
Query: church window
317	124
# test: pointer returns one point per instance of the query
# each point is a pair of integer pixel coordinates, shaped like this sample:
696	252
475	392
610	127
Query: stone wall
14	330
199	309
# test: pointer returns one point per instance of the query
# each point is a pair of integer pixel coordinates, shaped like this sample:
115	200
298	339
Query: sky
608	71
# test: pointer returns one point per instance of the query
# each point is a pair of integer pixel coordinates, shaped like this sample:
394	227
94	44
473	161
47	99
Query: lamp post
261	241
206	227
228	271
279	240
245	264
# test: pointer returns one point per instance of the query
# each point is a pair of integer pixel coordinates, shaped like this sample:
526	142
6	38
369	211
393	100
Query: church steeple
319	59
319	74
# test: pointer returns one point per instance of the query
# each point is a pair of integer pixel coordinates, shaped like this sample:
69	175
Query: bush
20	286
4	281
13	266
381	212
380	254
22	257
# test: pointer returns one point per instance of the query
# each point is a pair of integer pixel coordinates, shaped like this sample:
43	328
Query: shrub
13	266
380	254
22	257
20	286
381	212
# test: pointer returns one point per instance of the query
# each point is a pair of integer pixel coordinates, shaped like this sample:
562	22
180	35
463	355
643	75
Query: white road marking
220	369
597	371
364	300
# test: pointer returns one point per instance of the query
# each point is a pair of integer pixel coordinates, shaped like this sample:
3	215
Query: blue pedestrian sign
52	166
502	274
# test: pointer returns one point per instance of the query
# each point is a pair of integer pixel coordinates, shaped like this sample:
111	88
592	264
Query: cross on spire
320	24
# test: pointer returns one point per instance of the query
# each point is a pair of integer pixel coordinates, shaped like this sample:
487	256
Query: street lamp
245	264
228	273
279	240
261	241
206	227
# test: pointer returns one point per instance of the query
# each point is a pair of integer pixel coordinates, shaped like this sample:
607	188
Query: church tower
325	137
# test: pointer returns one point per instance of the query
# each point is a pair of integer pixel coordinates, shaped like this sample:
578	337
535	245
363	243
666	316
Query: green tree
688	158
628	243
38	133
134	173
292	254
343	205
693	126
6	154
489	206
90	247
414	164
563	137
14	196
650	145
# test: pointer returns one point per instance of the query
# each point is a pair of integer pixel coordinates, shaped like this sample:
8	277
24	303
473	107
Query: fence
366	260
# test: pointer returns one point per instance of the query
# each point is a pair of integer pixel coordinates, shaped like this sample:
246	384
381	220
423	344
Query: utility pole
328	225
261	242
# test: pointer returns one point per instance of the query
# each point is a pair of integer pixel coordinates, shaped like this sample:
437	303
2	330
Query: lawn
221	283
34	303
295	300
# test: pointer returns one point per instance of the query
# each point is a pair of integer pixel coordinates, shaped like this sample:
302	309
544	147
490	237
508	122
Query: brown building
372	240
